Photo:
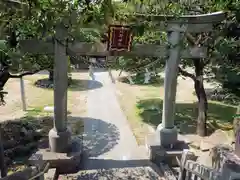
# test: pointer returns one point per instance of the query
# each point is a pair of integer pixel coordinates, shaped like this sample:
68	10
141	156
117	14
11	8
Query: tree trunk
202	98
51	75
3	171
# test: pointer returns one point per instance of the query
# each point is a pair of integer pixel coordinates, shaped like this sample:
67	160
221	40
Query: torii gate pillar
166	130
59	136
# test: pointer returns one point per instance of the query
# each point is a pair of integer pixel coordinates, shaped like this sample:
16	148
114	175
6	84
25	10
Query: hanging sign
120	38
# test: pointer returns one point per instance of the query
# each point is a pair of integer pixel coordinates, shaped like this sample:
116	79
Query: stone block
161	154
63	162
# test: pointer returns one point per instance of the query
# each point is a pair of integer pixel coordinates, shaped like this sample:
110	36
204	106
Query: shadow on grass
98	136
21	137
150	111
73	84
155	81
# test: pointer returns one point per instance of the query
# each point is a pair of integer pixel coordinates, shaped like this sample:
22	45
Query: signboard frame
114	36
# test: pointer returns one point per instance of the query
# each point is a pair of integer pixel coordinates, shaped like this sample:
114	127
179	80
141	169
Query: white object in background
24	106
130	79
147	76
48	108
91	72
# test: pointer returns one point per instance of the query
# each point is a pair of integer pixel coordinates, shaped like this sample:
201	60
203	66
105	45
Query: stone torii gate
59	136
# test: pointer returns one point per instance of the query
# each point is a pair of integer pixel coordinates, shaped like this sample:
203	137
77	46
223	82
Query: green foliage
39	18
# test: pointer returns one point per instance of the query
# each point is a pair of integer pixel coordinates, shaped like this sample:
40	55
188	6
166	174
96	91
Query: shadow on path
99	137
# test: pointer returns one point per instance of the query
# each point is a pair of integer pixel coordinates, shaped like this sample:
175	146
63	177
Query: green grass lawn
142	105
219	115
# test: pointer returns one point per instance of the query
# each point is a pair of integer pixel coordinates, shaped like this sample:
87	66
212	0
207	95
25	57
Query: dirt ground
39	98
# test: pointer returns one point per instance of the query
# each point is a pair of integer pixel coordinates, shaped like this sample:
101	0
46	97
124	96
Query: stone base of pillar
167	137
59	142
65	163
167	154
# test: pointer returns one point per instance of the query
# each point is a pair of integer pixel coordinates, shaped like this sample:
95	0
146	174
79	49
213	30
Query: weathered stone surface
220	154
218	137
64	162
139	173
160	154
207	143
214	157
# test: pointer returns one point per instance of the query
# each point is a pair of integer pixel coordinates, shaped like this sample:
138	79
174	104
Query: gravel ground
137	173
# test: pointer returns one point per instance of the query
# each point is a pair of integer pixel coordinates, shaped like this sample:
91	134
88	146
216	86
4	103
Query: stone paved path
111	149
108	134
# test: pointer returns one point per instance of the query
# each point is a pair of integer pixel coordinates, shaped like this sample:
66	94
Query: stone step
138	173
63	162
159	154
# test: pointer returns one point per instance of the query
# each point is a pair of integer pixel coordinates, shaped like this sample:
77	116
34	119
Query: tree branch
186	74
206	62
191	39
24	74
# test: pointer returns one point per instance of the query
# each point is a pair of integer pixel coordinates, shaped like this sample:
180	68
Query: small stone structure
226	166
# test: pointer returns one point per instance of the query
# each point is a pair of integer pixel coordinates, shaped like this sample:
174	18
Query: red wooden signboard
120	38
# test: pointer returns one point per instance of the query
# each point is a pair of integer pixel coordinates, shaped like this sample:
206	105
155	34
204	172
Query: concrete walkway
108	135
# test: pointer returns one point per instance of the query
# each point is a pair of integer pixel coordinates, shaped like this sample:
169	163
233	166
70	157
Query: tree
38	19
220	46
217	44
